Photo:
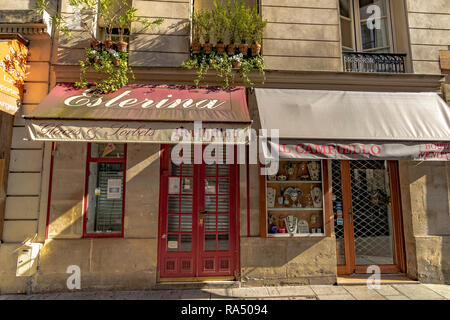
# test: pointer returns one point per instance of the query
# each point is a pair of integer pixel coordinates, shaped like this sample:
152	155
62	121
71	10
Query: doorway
198	223
367	217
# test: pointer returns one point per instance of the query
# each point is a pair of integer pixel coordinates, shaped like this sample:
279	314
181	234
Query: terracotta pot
256	49
116	62
231	49
220	48
237	64
121	46
196	47
207	47
243	48
108	44
95	44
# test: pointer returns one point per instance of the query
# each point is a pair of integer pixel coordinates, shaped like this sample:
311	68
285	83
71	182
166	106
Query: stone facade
301	37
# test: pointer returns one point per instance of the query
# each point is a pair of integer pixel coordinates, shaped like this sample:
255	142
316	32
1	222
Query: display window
105	190
295	200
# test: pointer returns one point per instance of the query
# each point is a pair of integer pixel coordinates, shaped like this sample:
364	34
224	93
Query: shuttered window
104	202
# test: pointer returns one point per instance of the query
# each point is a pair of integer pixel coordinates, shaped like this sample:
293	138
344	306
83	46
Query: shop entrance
367	217
198	221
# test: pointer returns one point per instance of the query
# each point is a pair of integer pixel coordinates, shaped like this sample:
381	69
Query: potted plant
257	27
196	33
236	60
220	19
243	23
231	23
206	24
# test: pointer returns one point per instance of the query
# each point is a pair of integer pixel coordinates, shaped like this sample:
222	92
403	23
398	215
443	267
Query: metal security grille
372	212
337	199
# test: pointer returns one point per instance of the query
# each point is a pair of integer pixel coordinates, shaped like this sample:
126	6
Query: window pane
173	206
210	223
223	186
223	222
107	150
347	34
186	204
210	242
172	223
210	204
375	38
172	242
210	186
366	10
186	242
223	204
186	223
105	193
345	9
223	242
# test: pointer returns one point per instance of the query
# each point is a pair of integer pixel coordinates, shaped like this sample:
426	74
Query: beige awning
356	125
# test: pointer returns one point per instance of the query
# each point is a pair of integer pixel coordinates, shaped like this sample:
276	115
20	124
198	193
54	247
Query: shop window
366	26
105	189
295	200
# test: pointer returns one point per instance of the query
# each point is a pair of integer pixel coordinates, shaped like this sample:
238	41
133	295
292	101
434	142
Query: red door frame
198	255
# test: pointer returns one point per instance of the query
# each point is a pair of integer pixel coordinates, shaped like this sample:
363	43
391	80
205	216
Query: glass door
367	216
197	229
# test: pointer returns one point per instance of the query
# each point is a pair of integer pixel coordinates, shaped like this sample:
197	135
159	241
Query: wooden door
367	211
198	221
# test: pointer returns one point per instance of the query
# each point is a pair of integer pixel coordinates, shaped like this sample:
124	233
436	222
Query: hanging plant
111	65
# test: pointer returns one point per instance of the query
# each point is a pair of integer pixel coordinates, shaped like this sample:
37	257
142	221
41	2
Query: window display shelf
294	209
295	235
293	181
294	200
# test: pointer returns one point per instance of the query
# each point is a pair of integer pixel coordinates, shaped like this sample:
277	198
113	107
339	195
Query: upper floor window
366	26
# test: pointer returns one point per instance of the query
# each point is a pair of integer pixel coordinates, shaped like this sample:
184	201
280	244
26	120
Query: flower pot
108	44
243	48
237	64
95	44
121	46
196	47
231	49
220	48
256	49
116	62
97	60
207	47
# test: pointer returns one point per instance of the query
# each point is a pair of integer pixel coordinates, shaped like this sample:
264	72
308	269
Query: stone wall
288	261
105	263
426	216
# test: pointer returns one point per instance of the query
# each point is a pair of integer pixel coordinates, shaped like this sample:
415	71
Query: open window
366	25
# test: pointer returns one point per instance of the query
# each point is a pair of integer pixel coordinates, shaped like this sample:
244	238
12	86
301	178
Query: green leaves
112	77
223	65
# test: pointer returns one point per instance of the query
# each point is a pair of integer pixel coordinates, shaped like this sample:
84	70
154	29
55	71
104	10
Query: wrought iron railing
374	62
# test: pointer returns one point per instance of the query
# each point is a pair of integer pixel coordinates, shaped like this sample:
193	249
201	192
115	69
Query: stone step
189	285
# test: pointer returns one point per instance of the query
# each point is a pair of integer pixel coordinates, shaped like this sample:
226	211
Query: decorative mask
314	170
316	195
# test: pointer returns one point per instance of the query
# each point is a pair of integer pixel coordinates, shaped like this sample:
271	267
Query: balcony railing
374	62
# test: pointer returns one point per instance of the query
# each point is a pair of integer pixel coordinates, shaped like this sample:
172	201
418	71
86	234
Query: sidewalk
313	292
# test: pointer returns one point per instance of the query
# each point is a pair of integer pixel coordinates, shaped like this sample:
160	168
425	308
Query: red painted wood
199	258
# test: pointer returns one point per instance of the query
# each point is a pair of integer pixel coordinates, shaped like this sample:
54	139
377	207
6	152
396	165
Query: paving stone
364	293
387	290
249	292
417	292
328	290
336	297
397	298
442	289
195	295
295	291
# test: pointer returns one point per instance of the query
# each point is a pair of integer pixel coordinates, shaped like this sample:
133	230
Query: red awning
137	113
